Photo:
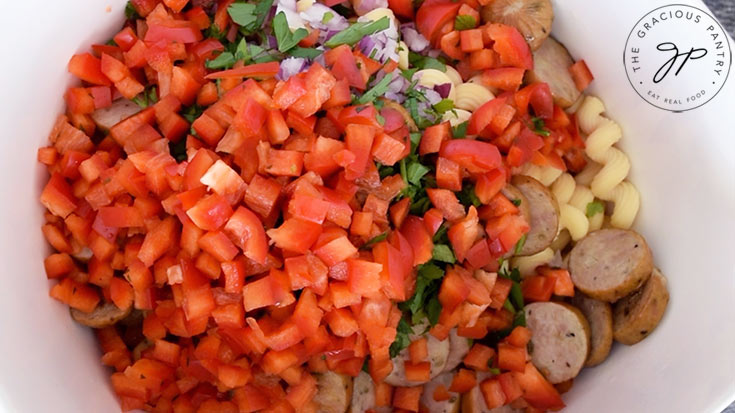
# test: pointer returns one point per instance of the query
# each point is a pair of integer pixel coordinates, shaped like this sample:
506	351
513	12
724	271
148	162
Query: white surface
684	165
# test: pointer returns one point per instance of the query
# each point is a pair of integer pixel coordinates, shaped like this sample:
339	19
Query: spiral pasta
526	265
432	77
609	183
470	96
453	74
402	55
456	116
572	198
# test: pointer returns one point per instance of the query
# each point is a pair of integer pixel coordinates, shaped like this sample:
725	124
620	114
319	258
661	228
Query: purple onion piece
365	6
291	66
443	89
415	40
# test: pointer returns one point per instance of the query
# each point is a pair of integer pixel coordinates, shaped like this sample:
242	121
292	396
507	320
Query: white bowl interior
683	164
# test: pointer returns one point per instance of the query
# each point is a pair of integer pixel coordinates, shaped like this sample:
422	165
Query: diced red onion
443	89
315	14
431	95
291	66
415	40
382	45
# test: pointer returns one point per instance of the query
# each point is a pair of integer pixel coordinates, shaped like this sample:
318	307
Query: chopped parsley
539	127
443	253
444	105
284	37
147	97
223	61
425	62
376	91
375	240
460	131
464	22
519	245
357	31
594	208
403	339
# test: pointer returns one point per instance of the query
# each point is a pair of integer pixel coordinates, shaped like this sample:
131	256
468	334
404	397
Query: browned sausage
103	315
513	194
551	65
560	337
544	212
458	349
532	18
638	314
450	405
610	263
599	315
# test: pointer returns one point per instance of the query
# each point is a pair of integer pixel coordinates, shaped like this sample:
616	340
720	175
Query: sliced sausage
551	65
120	109
438	354
637	315
560	337
334	392
532	18
103	315
474	402
513	194
599	315
450	405
363	395
609	264
458	349
544	212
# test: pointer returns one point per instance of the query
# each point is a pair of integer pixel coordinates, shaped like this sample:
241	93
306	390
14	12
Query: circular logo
677	57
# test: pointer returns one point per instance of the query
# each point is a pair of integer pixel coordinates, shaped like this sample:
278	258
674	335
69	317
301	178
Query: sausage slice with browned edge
637	315
560	337
104	315
438	353
450	405
517	197
544	211
334	392
551	65
599	315
609	264
532	18
363	395
458	349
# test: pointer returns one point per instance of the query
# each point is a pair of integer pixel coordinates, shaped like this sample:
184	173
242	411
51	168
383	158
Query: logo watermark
677	57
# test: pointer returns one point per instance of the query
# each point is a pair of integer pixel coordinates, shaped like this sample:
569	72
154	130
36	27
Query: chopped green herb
519	245
519	319
538	127
516	296
357	31
192	112
376	91
415	140
420	206
444	105
464	22
494	370
178	150
376	239
327	17
380	119
594	208
415	172
468	197
441	235
146	98
385	170
433	308
516	202
130	12
224	60
241	51
443	253
214	32
425	62
403	330
430	271
306	52
366	365
285	38
242	13
460	131
509	306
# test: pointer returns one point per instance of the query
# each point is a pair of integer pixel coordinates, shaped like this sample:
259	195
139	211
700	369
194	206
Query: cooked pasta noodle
379	13
527	265
470	96
609	183
456	116
402	55
453	74
432	77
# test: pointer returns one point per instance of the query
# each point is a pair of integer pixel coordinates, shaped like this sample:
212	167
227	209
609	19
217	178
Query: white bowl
683	164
